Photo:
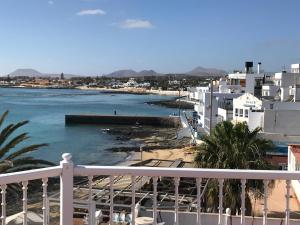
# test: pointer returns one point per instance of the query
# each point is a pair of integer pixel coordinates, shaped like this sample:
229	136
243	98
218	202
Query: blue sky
98	36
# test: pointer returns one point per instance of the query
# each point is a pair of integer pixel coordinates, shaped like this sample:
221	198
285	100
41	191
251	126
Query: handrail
26	175
82	170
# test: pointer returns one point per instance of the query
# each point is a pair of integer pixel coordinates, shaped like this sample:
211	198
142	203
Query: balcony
102	188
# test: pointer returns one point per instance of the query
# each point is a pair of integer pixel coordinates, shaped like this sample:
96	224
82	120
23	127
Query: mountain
198	71
201	71
26	72
122	73
132	73
148	73
35	73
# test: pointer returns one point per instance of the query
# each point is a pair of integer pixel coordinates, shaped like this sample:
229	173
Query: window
236	112
272	106
241	113
246	113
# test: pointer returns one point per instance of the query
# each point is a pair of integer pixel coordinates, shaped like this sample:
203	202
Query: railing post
287	198
66	190
221	184
227	216
243	207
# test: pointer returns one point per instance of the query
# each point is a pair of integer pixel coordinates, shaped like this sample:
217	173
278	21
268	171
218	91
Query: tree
233	146
13	159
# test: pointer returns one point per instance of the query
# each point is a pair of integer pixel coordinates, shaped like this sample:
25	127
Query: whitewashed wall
255	119
282	121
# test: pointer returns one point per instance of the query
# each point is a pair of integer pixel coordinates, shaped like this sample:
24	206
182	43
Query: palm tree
233	146
13	159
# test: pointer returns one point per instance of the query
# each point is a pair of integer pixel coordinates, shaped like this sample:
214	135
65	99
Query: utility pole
211	102
179	103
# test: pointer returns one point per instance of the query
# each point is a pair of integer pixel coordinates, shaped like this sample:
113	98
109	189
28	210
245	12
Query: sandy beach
184	154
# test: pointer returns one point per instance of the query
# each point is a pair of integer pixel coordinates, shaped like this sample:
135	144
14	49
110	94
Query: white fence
67	170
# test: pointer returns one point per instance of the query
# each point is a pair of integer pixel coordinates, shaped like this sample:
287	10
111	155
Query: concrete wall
123	120
225	114
270	89
255	119
282	105
282	121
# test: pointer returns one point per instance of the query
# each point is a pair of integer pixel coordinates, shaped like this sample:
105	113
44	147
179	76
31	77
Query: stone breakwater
171	121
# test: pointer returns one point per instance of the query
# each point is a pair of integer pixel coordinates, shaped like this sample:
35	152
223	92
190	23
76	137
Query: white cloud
50	2
89	12
136	24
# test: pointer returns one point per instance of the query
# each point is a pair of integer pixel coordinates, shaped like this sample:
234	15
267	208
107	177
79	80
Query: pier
171	121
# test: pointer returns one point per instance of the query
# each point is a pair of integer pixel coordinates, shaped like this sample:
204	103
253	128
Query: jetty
163	121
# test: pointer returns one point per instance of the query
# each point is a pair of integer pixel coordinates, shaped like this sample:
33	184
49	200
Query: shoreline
173	103
157	143
129	90
134	91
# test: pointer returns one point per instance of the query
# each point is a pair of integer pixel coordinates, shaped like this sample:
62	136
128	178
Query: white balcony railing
67	170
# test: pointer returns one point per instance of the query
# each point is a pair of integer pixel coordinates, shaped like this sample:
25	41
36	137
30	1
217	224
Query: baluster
243	208
199	182
91	216
133	184
177	179
287	197
111	204
24	188
48	211
265	209
221	183
3	203
45	201
155	200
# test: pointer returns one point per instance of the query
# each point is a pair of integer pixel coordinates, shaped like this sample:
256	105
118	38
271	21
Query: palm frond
3	116
7	131
24	150
12	143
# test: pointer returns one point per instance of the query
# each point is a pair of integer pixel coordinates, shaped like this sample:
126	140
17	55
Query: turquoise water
46	108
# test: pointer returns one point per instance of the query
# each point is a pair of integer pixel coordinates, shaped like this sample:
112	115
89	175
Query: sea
46	109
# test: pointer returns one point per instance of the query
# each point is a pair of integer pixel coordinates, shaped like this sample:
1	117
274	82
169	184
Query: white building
131	83
221	103
272	116
247	108
248	81
238	99
283	85
224	91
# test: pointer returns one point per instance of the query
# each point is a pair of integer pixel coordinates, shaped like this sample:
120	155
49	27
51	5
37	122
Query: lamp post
211	108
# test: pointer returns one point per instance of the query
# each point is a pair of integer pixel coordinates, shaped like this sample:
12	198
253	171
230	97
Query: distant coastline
140	91
134	91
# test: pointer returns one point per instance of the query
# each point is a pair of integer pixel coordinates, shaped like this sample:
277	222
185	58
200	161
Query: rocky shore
150	138
173	103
